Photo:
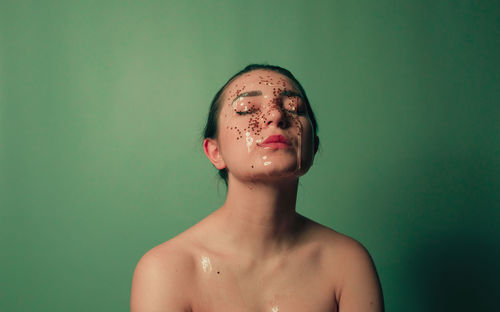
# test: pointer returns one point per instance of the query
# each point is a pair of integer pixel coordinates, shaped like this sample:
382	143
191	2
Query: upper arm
360	289
159	282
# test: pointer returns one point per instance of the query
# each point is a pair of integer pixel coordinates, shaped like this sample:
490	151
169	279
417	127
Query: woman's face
264	130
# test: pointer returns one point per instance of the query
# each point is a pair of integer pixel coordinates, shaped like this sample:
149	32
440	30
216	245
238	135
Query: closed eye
250	109
244	113
293	105
296	112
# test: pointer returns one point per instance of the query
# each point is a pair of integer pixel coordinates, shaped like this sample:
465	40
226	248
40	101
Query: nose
276	116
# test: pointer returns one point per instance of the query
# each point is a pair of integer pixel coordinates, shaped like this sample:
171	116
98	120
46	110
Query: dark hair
211	127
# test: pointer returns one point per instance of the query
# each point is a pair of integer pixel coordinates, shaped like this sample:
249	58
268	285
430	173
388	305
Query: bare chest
287	285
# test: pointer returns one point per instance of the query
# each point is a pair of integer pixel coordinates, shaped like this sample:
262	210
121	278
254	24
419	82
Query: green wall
102	104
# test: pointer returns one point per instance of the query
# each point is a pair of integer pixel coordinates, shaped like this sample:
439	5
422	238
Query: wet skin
256	106
255	253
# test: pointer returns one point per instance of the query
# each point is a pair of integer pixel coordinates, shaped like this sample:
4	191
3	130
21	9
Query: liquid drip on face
266	162
259	109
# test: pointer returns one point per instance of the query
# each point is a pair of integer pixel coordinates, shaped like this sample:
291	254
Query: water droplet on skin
205	264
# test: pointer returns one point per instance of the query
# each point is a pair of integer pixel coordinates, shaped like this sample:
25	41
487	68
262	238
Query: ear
211	149
316	144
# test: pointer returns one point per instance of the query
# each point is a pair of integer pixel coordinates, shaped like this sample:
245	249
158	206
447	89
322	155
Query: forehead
259	79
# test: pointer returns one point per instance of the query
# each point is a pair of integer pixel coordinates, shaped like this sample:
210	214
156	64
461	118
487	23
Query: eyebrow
290	93
257	93
247	94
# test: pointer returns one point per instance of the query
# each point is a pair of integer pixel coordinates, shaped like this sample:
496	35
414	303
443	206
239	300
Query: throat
259	219
257	234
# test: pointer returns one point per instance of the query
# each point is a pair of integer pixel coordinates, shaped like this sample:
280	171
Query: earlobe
211	149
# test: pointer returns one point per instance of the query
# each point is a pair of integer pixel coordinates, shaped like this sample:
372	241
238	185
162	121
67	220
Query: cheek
305	137
247	129
233	129
254	124
234	132
307	140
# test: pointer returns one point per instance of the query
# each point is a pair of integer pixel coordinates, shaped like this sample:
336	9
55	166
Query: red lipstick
275	142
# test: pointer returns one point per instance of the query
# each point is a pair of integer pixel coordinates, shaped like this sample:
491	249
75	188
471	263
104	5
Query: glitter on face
275	309
268	100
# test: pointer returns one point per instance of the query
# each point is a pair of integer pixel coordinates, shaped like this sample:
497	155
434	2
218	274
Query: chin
279	168
278	173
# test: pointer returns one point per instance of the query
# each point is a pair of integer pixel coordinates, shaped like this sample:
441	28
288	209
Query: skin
255	253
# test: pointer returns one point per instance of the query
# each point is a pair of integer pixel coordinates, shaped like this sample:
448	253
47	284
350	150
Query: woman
255	253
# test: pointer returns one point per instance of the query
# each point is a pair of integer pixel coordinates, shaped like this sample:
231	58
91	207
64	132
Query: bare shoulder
162	278
349	264
336	244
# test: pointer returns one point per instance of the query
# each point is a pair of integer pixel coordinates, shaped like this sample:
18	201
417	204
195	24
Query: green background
102	104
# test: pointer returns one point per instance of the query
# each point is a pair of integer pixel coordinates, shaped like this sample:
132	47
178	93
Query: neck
259	218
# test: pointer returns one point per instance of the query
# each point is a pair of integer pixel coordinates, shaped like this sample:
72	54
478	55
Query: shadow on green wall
451	231
459	272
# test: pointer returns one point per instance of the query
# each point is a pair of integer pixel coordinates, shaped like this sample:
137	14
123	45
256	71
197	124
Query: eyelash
244	113
297	111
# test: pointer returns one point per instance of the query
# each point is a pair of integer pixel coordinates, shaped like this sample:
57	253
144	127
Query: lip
275	142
